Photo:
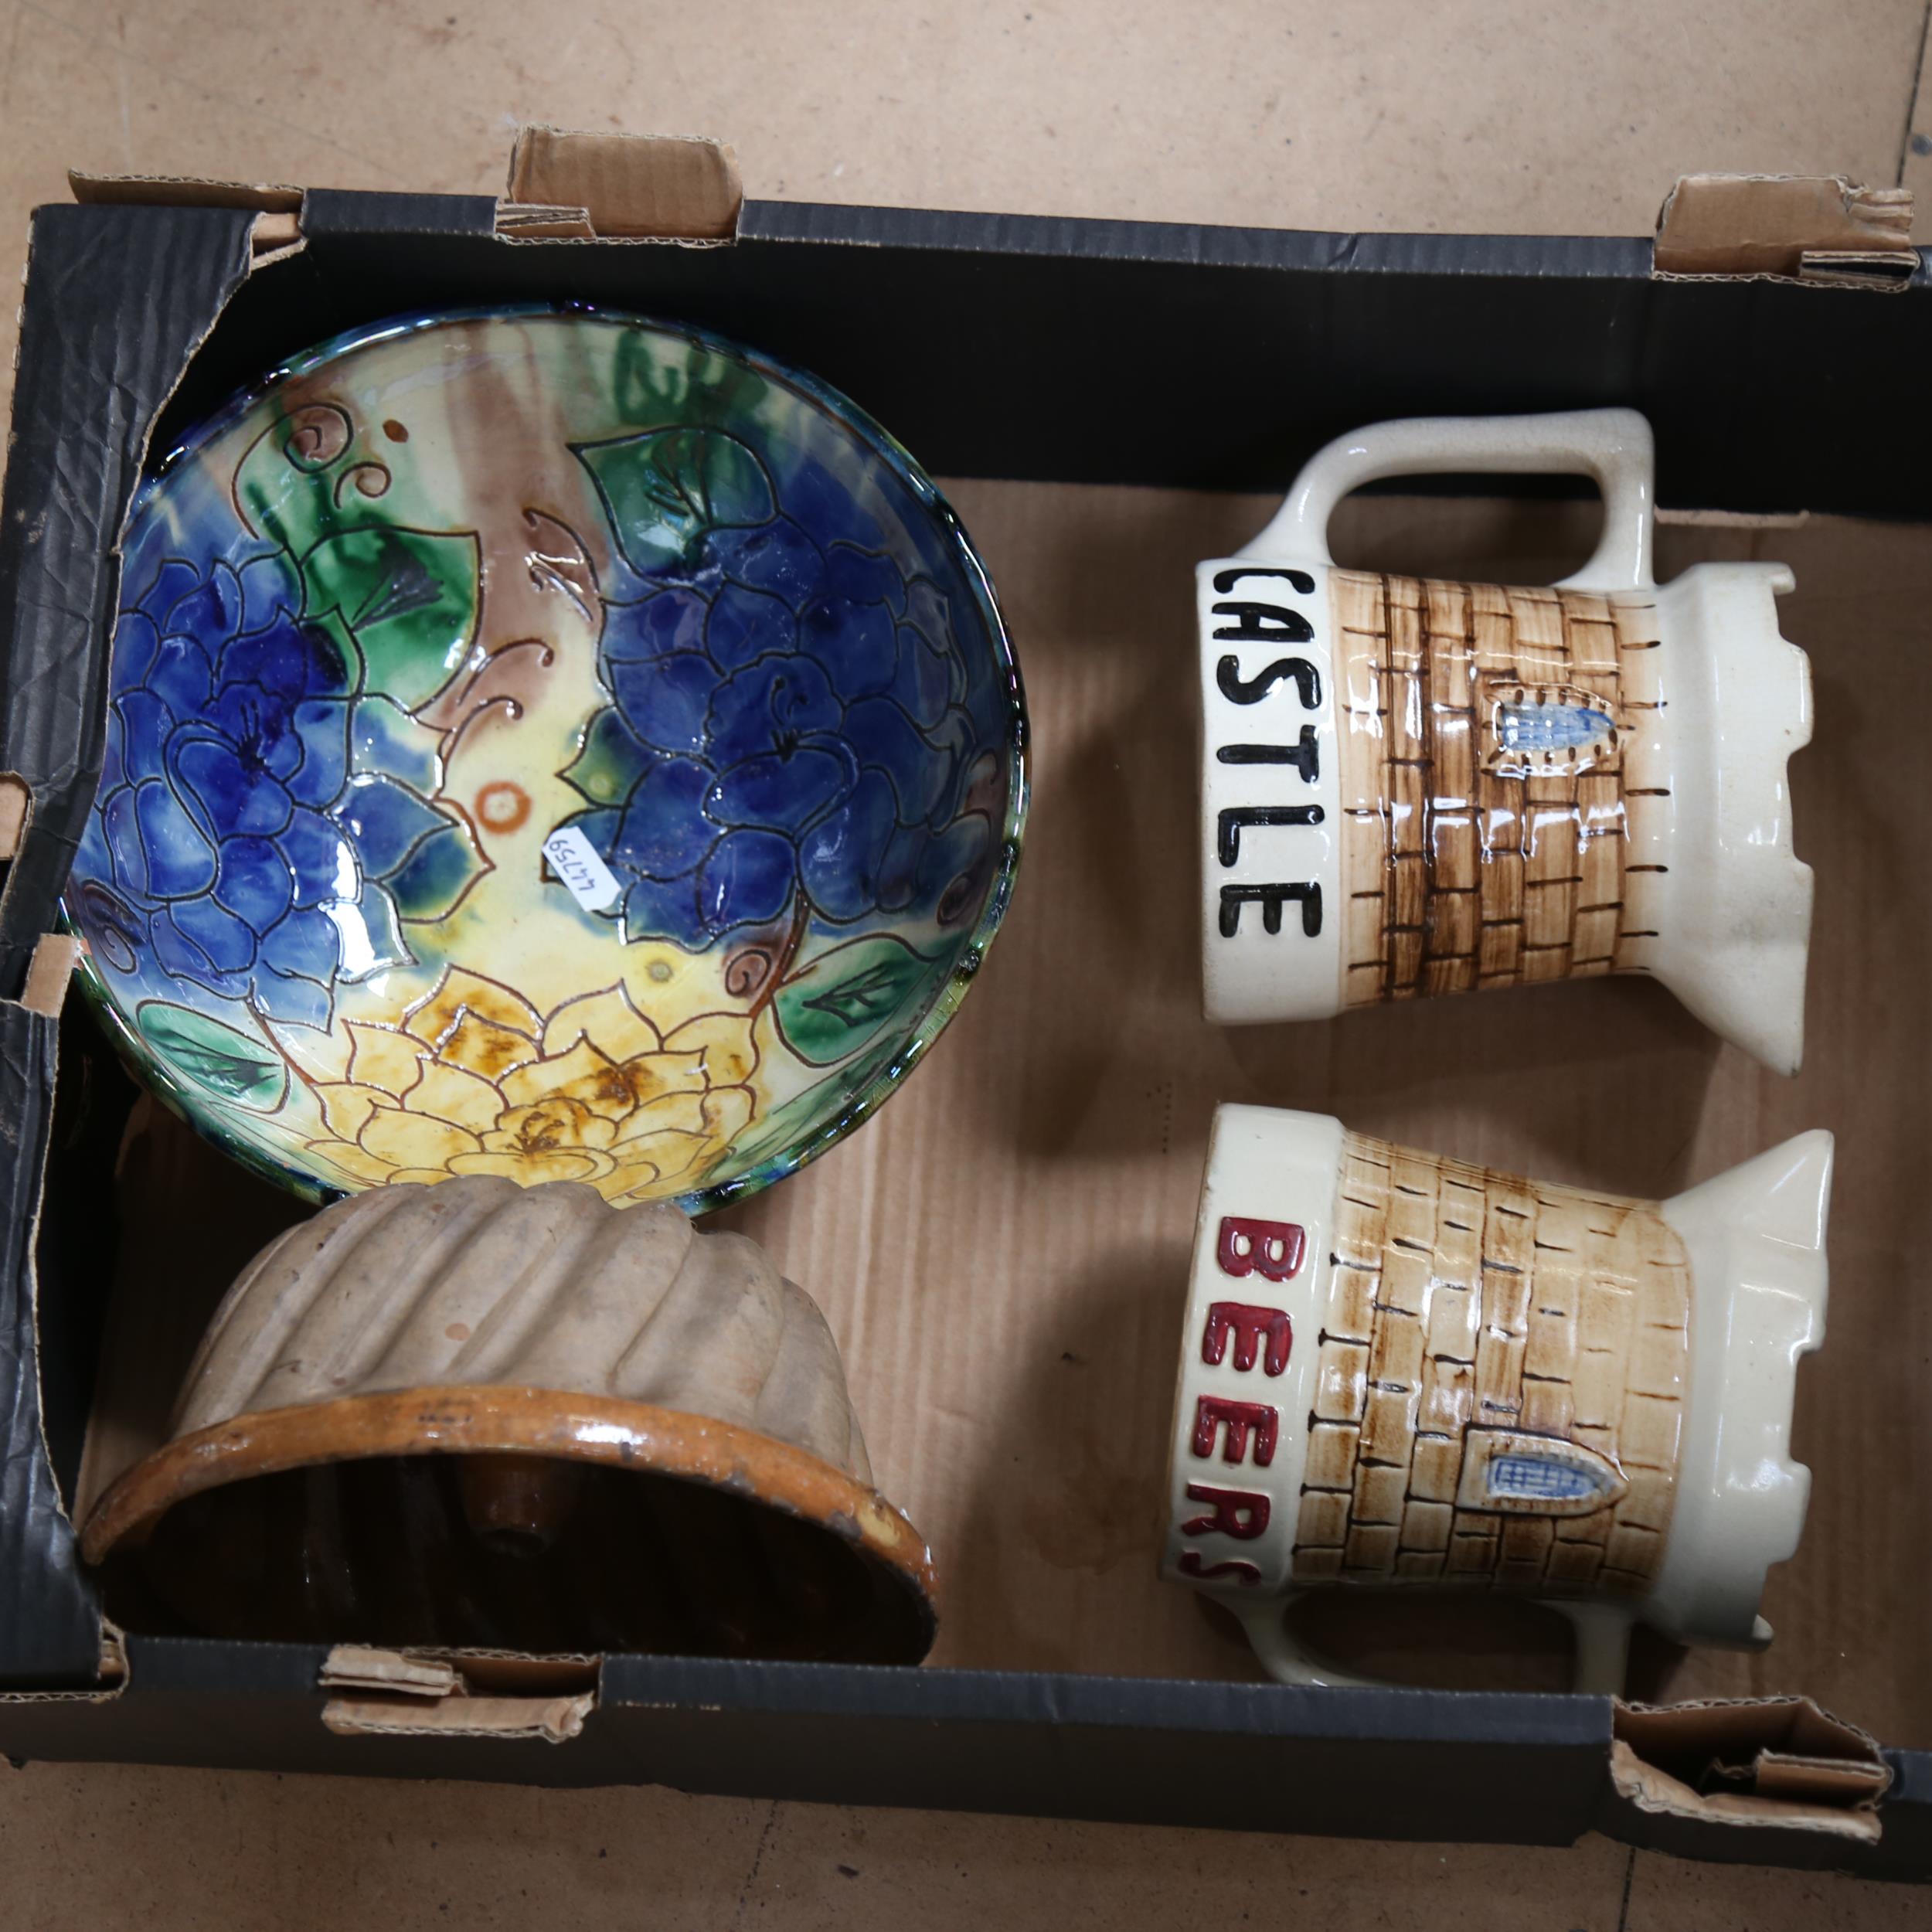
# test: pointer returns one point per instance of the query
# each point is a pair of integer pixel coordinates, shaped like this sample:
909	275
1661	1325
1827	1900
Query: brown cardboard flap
510	1673
1820	228
1857	267
356	1667
655	187
278	219
521	222
389	1693
1823	1780
555	1719
54	958
274	234
1763	1761
16	803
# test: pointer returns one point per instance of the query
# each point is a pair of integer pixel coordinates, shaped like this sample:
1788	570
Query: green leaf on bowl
839	1003
802	1116
663	490
429	884
216	1056
610	762
409	598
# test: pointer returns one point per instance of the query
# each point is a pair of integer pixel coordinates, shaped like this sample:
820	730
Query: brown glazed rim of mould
545	1422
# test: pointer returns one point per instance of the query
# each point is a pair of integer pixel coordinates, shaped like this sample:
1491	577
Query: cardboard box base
1393	1764
1002	1253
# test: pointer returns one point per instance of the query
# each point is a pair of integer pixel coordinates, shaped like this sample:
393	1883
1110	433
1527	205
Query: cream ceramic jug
1411	787
1402	1372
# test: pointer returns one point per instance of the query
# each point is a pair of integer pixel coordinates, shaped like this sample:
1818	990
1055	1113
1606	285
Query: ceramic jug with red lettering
1402	1372
1411	787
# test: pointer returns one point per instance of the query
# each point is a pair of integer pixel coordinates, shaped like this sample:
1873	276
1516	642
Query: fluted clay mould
477	1413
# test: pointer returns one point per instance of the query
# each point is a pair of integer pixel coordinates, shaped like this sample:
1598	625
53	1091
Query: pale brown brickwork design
1462	867
1461	1300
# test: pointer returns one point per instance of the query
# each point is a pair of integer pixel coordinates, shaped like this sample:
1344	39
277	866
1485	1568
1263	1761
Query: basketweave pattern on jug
1465	866
1464	1302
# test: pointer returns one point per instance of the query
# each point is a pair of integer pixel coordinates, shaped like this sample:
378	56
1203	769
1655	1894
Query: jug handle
1600	1655
1614	446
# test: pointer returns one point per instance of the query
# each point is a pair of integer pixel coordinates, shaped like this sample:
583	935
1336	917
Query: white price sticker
587	878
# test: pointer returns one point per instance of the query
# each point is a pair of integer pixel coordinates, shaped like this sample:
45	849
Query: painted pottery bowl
549	744
517	1417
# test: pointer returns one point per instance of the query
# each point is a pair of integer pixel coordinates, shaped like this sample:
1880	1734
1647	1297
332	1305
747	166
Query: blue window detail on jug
1553	730
1540	726
1541	1479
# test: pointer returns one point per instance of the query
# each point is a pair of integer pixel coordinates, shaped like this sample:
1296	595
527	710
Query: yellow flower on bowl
476	1081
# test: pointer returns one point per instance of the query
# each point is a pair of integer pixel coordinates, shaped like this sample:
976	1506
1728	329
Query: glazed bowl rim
815	392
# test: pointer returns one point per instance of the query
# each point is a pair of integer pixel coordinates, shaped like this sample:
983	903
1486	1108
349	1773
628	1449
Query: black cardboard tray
996	346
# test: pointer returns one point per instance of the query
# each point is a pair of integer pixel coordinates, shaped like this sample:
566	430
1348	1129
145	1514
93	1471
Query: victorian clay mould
481	1414
550	744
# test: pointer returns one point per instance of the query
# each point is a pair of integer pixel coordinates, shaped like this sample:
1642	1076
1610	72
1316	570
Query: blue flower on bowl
786	737
255	813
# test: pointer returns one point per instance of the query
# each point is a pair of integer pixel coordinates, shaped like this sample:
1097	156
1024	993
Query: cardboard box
1002	1253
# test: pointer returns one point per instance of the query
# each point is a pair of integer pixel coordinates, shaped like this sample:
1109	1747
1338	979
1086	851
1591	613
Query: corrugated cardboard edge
680	187
563	186
278	208
184	191
394	1694
1821	229
554	1720
516	222
114	1677
1736	520
1779	1761
357	1667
